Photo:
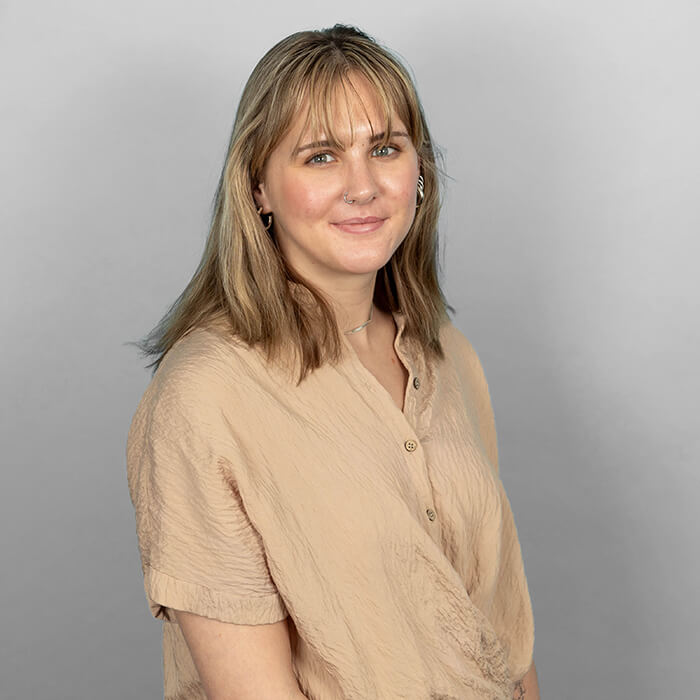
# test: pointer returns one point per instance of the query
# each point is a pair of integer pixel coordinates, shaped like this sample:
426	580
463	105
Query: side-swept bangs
316	82
329	85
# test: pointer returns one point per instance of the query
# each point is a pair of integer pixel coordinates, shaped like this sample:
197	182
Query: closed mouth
359	220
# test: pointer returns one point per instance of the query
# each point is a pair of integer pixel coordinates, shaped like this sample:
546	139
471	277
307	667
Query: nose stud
346	200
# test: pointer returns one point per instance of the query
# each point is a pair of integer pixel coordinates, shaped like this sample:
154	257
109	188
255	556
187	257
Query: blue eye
321	158
383	151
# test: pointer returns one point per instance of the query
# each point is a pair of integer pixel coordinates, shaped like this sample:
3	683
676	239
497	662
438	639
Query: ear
261	198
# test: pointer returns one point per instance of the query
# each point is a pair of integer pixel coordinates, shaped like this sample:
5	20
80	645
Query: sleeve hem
165	592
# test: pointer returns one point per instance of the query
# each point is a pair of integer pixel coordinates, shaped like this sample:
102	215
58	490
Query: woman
314	466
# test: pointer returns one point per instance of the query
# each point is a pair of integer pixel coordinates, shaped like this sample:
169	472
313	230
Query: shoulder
459	350
202	373
210	358
472	379
466	364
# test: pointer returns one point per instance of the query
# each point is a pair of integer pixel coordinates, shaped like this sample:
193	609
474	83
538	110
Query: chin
366	267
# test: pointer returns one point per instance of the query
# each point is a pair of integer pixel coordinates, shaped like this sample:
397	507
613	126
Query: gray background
571	228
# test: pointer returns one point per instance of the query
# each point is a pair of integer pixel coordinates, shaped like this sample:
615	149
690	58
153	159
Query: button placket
411	446
415	415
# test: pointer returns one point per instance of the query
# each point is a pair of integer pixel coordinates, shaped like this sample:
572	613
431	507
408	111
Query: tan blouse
385	535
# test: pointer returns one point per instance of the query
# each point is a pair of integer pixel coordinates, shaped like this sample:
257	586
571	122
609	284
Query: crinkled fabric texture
257	499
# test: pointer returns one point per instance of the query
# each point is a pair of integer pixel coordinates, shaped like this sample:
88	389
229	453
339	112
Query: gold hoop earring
269	219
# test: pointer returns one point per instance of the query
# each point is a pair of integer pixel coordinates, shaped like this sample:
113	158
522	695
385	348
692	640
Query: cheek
302	199
402	182
405	188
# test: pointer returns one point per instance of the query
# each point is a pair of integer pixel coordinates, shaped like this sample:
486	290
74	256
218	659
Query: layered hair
243	279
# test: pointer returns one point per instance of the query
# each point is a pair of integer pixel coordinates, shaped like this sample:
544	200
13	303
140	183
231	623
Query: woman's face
325	239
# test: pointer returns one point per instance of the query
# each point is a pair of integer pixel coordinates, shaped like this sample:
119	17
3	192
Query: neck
351	301
353	307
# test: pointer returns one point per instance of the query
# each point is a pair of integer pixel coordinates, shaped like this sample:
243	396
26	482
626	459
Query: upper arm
480	396
240	662
204	562
200	551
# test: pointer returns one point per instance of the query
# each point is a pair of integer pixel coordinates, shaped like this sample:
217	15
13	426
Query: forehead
345	110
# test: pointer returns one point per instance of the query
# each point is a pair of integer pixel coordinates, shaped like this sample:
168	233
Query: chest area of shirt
340	444
390	372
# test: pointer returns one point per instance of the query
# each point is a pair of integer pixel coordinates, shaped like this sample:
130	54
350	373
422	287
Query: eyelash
326	153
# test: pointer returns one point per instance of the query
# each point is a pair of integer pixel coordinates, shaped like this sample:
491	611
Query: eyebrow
377	138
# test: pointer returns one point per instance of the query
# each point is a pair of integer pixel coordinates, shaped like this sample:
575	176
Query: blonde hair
242	276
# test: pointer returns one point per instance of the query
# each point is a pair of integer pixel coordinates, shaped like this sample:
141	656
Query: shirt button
410	445
431	514
416	382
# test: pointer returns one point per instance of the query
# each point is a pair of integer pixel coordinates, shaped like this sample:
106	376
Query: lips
359	220
358	224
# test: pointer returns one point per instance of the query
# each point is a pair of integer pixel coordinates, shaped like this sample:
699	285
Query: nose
361	186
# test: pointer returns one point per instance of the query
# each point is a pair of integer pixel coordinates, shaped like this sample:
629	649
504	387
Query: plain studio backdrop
569	249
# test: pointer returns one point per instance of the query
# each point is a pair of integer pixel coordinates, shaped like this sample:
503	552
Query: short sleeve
199	550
